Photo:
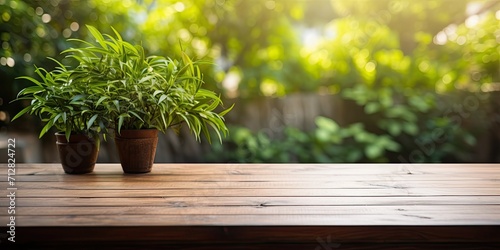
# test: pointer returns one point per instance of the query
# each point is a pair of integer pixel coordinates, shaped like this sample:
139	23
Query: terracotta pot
137	149
79	155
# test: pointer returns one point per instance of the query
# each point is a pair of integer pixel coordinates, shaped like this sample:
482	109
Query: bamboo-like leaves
91	121
63	99
98	36
22	112
115	84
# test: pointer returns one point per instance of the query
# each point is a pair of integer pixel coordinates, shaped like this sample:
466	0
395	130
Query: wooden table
259	206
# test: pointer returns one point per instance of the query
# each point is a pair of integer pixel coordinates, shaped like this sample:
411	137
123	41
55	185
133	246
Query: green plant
62	100
142	91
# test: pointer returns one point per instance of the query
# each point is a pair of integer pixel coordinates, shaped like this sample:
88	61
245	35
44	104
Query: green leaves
149	92
372	108
65	98
328	143
22	112
98	36
162	98
101	99
115	85
121	119
91	121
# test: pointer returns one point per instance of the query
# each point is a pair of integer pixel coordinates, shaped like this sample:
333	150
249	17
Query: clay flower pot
78	155
137	149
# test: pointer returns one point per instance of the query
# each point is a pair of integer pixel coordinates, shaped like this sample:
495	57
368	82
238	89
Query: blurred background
398	81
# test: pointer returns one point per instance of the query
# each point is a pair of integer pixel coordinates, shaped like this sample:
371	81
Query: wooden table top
232	201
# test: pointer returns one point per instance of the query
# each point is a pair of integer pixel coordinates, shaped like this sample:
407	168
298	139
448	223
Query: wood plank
104	185
95	177
340	192
273	169
132	245
276	234
295	167
424	211
253	201
257	220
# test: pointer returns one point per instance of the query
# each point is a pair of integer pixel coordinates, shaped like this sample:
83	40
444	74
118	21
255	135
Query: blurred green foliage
415	67
327	143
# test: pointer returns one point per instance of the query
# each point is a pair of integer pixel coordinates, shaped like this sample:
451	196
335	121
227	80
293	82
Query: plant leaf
46	128
91	121
22	112
101	100
97	35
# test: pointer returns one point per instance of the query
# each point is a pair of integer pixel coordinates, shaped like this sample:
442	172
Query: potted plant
65	100
147	94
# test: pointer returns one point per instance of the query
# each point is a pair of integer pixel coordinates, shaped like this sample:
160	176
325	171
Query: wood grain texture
258	206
